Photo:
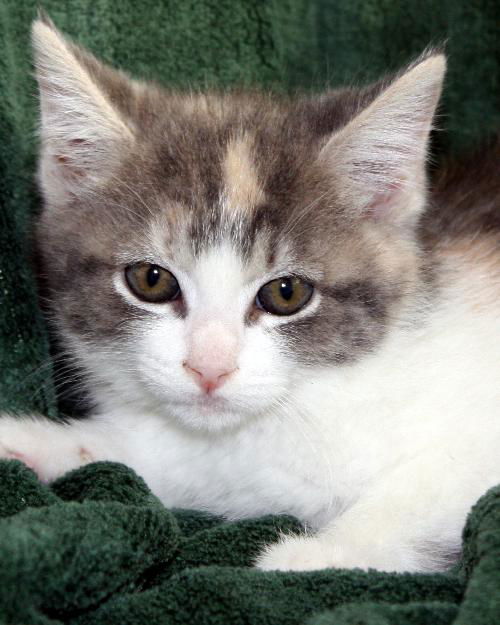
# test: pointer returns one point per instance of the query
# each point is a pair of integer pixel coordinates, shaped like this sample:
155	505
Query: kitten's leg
51	449
410	521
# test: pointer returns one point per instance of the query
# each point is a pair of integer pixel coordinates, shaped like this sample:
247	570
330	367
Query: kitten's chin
211	414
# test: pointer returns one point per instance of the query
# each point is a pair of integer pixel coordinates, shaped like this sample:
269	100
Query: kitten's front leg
350	542
51	449
341	547
412	521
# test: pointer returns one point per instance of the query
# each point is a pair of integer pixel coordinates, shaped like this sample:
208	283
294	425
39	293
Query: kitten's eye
152	283
284	296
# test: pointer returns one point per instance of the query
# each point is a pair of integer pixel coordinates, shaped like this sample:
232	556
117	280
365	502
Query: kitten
273	313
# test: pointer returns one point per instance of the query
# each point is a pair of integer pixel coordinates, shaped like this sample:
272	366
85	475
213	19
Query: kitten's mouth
211	402
207	412
203	402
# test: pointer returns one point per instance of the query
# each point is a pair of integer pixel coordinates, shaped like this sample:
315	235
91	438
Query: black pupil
153	276
286	290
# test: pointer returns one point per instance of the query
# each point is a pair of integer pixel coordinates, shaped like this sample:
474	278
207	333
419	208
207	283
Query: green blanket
97	547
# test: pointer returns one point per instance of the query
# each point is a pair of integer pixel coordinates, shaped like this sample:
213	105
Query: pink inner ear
384	202
69	161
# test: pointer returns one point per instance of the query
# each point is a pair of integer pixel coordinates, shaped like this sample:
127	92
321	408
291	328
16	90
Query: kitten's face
207	253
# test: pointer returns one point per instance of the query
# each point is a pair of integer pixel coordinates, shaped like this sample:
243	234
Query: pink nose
207	378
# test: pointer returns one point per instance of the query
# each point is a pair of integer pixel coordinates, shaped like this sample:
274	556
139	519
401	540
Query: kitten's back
461	232
466	197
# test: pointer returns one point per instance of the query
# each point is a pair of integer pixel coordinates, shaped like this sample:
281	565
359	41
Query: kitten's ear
379	158
82	131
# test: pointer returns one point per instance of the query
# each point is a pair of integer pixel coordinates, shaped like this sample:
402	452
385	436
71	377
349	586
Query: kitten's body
372	414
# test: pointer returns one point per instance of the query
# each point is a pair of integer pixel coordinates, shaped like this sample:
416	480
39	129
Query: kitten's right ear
379	157
82	132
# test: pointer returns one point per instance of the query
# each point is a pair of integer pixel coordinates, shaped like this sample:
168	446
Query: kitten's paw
12	454
42	445
310	553
297	553
11	443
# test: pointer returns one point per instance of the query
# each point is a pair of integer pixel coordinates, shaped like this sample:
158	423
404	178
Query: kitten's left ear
379	159
83	130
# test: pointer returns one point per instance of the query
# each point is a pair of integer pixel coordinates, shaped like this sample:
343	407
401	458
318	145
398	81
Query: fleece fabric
97	547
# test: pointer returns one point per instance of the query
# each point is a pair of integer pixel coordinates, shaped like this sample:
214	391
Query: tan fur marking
243	192
477	260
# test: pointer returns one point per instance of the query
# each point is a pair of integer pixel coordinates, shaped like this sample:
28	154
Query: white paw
43	446
11	454
310	553
13	442
297	553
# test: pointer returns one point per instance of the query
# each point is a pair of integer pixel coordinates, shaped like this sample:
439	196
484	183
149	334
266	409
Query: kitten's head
206	253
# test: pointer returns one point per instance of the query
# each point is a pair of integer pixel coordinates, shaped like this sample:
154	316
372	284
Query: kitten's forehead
230	177
219	197
228	245
233	212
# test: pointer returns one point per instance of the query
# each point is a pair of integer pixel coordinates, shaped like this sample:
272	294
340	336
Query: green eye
152	283
284	296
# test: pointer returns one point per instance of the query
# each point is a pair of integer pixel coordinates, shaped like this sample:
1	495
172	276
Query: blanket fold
98	548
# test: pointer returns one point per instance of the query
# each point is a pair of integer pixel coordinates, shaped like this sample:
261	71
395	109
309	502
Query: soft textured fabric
97	547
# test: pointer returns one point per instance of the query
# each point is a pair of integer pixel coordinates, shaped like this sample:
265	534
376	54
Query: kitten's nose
208	378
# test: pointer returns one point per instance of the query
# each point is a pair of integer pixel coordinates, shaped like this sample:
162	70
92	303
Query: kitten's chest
262	470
